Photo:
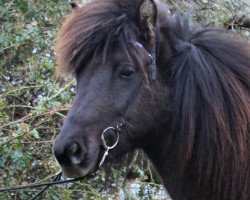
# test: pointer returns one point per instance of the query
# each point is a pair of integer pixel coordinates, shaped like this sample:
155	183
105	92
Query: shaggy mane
210	101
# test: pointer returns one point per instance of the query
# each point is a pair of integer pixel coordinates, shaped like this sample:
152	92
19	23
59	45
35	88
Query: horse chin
77	170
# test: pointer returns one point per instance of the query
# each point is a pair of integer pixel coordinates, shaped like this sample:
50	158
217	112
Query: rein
56	181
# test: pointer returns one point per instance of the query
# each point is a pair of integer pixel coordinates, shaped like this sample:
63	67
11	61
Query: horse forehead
94	74
102	63
120	53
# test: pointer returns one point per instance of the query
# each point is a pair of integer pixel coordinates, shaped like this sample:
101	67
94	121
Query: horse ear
147	16
74	5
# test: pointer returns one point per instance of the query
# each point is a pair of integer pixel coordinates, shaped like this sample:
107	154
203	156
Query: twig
34	108
39	185
150	173
18	121
60	91
21	88
133	160
37	142
177	6
14	45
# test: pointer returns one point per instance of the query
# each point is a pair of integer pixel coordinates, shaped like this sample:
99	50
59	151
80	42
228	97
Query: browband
152	57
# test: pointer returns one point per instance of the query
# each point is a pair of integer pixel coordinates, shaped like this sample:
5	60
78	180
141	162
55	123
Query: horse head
113	61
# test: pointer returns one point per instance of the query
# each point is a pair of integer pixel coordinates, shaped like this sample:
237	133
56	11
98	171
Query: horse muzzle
79	159
75	159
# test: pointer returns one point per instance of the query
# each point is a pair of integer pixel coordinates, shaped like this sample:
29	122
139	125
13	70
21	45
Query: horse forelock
93	30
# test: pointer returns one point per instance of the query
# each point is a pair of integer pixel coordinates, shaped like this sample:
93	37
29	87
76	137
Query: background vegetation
34	101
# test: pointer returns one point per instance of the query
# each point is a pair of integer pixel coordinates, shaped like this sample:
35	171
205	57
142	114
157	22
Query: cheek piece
114	131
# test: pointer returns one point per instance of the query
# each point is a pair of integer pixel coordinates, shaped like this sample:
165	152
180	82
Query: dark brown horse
179	92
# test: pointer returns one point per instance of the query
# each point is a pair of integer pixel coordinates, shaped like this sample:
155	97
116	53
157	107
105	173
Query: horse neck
161	153
207	173
181	182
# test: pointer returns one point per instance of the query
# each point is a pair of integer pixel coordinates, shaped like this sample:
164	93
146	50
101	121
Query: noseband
152	57
118	128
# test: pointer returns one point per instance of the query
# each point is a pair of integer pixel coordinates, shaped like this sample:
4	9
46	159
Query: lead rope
55	181
57	178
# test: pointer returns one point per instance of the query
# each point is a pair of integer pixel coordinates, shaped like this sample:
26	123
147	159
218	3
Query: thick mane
210	88
92	29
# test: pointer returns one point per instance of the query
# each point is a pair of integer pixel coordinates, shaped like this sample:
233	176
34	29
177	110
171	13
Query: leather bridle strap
118	128
152	57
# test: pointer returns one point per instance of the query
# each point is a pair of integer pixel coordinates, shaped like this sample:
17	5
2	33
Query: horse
149	79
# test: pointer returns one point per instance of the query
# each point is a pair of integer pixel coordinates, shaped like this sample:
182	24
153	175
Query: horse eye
127	73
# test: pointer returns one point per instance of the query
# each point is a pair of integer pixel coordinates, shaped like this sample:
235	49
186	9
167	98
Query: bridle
118	127
116	130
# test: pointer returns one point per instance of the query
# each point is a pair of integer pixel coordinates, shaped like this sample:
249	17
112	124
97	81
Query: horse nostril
69	153
75	153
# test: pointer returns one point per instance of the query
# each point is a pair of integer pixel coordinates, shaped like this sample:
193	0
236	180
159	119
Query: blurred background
34	100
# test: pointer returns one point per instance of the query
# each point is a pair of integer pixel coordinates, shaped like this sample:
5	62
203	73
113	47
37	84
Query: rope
55	181
57	178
